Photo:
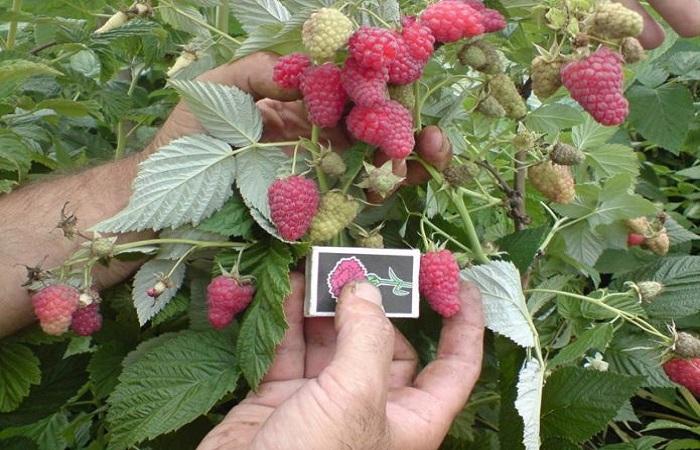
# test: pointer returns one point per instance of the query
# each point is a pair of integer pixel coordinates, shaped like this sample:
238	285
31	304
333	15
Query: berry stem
468	226
197	244
444	234
199	22
322	181
222	12
179	262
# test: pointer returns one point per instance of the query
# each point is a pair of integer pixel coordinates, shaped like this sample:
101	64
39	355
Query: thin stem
659	415
199	244
322	181
445	235
468	227
12	32
202	23
122	135
646	395
621	434
180	261
376	17
222	12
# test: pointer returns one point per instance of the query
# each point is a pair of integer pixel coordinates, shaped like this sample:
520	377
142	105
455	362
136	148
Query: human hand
349	381
682	15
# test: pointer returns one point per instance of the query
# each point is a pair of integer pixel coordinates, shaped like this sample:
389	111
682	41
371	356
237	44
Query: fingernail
368	292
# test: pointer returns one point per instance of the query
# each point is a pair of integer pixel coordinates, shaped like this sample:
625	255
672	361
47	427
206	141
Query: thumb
365	343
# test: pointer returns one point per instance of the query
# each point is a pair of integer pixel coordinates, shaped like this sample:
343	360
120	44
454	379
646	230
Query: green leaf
522	245
19	369
176	251
637	354
613	159
226	112
46	433
677	234
183	17
529	401
595	338
270	37
183	182
232	219
263	325
590	134
672	107
578	403
175	307
504	302
17	70
583	244
105	366
15	155
553	117
146	277
254	13
170	386
690	172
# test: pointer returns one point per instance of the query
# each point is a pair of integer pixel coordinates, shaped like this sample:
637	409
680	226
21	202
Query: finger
652	35
398	166
404	363
289	355
252	74
320	345
364	348
450	378
434	147
682	15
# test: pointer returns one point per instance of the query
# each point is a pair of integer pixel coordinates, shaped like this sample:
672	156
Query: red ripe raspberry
227	297
685	372
293	204
54	306
87	320
288	69
452	20
418	38
389	126
324	95
595	83
373	47
635	239
439	281
405	69
491	19
365	86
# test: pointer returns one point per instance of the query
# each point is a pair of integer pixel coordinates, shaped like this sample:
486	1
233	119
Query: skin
682	15
350	382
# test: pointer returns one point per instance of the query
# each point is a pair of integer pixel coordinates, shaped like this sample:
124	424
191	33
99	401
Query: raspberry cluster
60	307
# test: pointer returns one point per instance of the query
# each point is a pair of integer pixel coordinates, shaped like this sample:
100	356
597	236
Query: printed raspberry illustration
491	19
490	107
687	345
439	282
288	69
659	243
388	126
226	297
595	83
614	21
293	203
418	38
457	175
553	181
365	86
685	372
452	20
325	32
54	307
566	155
503	89
345	271
545	76
332	164
373	47
404	69
482	56
324	95
632	50
336	212
634	239
87	320
404	95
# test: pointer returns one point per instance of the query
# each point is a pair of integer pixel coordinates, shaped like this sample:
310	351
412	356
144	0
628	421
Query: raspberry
226	297
614	21
54	306
685	372
545	76
491	19
439	282
404	95
324	95
553	181
370	240
566	155
388	126
345	271
325	32
648	290
365	86
380	180
87	320
288	69
687	345
336	212
457	175
659	243
102	247
524	140
452	20
639	225
418	38
404	69
595	83
373	47
503	89
482	56
634	239
632	50
490	107
332	164
293	203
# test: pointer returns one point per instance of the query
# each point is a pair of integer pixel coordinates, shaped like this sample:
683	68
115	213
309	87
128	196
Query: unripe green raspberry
615	21
381	180
553	181
659	243
403	94
490	107
373	240
545	76
648	290
566	155
687	345
457	175
632	50
102	247
503	89
524	140
639	225
332	164
482	56
336	212
325	32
